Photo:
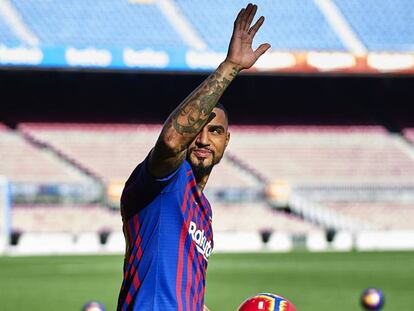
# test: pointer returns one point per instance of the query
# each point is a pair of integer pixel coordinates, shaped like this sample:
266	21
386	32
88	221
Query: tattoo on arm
188	119
193	113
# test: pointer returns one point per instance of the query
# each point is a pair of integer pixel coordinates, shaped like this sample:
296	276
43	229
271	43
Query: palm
240	50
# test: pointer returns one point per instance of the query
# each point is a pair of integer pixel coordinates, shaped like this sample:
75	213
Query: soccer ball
93	306
267	302
372	299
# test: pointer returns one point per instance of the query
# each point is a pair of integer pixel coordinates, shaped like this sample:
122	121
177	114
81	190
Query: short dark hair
221	106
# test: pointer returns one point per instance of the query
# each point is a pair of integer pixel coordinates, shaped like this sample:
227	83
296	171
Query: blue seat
386	25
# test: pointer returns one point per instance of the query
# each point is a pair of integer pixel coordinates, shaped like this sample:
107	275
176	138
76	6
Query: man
166	217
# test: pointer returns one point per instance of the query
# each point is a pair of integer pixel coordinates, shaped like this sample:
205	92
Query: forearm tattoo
194	112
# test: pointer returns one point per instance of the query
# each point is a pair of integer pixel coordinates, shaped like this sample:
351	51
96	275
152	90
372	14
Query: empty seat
74	219
380	215
22	161
300	24
324	155
105	23
381	25
112	151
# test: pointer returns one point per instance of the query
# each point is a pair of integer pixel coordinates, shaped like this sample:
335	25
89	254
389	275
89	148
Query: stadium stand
300	25
381	25
347	155
119	24
24	162
363	154
111	152
7	36
108	23
306	36
314	158
379	215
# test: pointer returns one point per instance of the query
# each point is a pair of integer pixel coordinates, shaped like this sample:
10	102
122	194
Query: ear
227	138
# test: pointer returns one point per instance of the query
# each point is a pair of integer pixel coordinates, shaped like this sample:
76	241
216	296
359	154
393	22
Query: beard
201	166
200	170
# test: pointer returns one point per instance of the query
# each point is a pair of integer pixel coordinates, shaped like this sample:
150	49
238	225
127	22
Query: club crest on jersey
203	245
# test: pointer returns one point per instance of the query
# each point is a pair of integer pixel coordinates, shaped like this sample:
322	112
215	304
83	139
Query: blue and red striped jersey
169	237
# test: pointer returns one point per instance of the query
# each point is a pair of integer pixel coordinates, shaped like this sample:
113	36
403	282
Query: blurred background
314	199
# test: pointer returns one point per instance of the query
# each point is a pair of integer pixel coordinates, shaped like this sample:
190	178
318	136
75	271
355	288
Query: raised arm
187	120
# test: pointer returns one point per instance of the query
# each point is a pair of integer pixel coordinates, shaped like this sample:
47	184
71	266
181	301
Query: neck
201	183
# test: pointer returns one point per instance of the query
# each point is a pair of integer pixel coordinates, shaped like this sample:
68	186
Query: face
208	147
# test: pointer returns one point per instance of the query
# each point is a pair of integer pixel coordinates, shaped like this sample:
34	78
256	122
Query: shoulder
181	177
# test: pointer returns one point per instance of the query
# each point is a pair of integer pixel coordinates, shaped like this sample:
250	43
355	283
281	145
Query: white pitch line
341	27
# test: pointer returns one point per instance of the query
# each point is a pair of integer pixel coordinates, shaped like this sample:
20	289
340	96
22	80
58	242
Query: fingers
237	22
248	16
261	50
256	26
245	17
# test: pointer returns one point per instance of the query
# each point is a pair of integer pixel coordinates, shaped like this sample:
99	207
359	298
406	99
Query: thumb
261	50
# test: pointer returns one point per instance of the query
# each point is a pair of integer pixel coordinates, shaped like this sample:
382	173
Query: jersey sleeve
141	188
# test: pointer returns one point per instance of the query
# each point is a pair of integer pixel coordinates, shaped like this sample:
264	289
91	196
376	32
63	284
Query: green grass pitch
313	281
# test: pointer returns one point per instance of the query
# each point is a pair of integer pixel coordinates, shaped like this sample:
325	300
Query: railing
316	214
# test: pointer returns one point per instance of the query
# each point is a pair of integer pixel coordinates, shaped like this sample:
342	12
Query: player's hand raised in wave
240	51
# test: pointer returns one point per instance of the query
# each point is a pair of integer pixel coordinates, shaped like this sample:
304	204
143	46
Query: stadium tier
22	162
193	35
111	152
324	155
379	215
299	155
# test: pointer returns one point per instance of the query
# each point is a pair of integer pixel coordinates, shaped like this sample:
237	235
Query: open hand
240	51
